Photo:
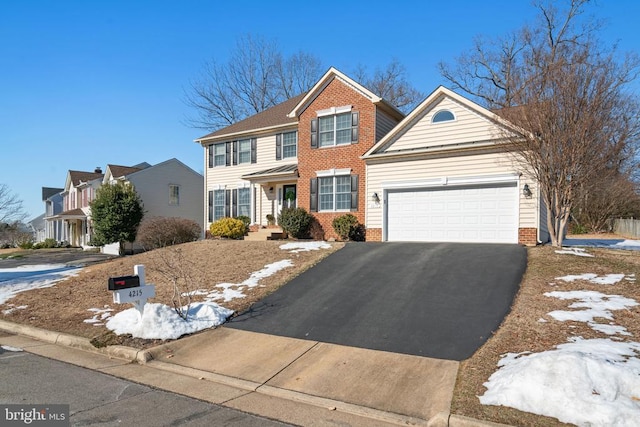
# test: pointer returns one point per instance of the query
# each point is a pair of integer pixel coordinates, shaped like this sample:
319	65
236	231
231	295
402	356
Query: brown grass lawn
64	307
522	331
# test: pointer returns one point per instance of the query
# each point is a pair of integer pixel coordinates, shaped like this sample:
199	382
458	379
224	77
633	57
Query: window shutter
355	118
354	192
210	206
279	146
314	133
254	150
235	152
234	205
227	203
313	203
211	155
228	154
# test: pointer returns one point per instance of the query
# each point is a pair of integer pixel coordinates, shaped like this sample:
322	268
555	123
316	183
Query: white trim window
335	130
219	154
244	202
289	144
219	204
244	151
334	192
174	195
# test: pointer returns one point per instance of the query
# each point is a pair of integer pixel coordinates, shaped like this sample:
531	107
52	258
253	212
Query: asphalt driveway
440	300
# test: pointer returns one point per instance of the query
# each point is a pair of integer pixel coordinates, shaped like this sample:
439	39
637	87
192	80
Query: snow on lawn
296	247
587	382
26	278
226	291
575	251
160	321
99	315
609	279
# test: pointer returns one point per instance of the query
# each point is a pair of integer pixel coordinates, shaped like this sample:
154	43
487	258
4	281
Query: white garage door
483	213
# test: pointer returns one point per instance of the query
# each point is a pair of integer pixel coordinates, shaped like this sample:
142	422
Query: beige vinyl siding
384	124
415	171
230	177
467	127
152	184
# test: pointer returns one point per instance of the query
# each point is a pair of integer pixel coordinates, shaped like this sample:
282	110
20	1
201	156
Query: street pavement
439	300
95	398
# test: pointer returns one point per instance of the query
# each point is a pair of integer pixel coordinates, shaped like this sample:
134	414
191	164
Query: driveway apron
439	300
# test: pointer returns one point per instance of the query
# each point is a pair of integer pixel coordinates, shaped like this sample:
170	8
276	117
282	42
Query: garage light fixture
526	191
375	198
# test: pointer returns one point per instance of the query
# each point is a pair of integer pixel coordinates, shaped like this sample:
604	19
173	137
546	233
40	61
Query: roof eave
252	132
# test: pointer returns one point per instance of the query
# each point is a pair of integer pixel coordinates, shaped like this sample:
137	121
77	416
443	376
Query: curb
117	351
144	357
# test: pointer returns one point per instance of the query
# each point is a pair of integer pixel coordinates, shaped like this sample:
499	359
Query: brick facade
528	236
310	160
374	235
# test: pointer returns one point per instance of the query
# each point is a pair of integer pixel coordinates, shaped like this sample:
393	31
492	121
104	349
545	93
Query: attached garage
473	213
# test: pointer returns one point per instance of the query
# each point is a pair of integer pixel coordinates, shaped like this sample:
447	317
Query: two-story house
79	191
53	205
303	152
442	173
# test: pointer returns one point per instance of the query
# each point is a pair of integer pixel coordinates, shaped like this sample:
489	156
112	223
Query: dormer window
443	116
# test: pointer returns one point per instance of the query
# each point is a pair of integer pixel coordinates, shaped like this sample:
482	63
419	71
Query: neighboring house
37	228
167	189
53	205
303	152
79	190
443	174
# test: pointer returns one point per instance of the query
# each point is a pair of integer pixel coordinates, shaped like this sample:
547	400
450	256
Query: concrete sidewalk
296	381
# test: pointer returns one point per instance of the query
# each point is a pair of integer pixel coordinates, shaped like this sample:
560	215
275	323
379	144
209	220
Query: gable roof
118	171
50	191
422	109
270	118
77	177
327	78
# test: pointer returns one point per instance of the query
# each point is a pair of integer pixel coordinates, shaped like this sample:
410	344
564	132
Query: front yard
80	304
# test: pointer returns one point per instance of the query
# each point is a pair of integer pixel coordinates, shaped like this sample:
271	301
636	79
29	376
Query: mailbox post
132	289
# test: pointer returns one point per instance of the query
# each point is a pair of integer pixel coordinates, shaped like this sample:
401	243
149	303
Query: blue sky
90	83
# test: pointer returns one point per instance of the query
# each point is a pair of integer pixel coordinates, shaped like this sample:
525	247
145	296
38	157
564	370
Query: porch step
266	234
277	236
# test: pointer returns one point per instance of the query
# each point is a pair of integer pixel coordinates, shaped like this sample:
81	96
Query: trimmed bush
159	232
347	227
230	228
296	222
246	220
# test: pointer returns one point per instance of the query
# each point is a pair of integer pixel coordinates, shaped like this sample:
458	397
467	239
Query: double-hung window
334	192
244	202
335	130
218	204
244	151
174	195
219	154
335	126
289	144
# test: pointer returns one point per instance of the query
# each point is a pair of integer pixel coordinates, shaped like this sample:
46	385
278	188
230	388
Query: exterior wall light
375	198
526	191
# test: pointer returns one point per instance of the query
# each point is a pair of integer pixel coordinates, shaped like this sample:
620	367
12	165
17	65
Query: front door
289	196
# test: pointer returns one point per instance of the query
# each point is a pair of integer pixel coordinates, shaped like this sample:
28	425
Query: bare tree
256	76
391	84
11	209
567	96
174	267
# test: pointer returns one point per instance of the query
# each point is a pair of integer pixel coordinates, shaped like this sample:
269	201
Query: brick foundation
374	235
528	236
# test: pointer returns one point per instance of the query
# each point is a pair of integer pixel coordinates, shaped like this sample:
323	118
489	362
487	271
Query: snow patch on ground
296	247
26	278
592	383
99	315
575	251
609	279
229	291
160	321
13	307
586	382
10	348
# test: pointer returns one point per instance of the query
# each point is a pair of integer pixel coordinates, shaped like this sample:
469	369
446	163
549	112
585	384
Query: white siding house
445	174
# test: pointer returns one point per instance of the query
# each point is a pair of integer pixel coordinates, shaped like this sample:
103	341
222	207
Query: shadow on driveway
440	300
